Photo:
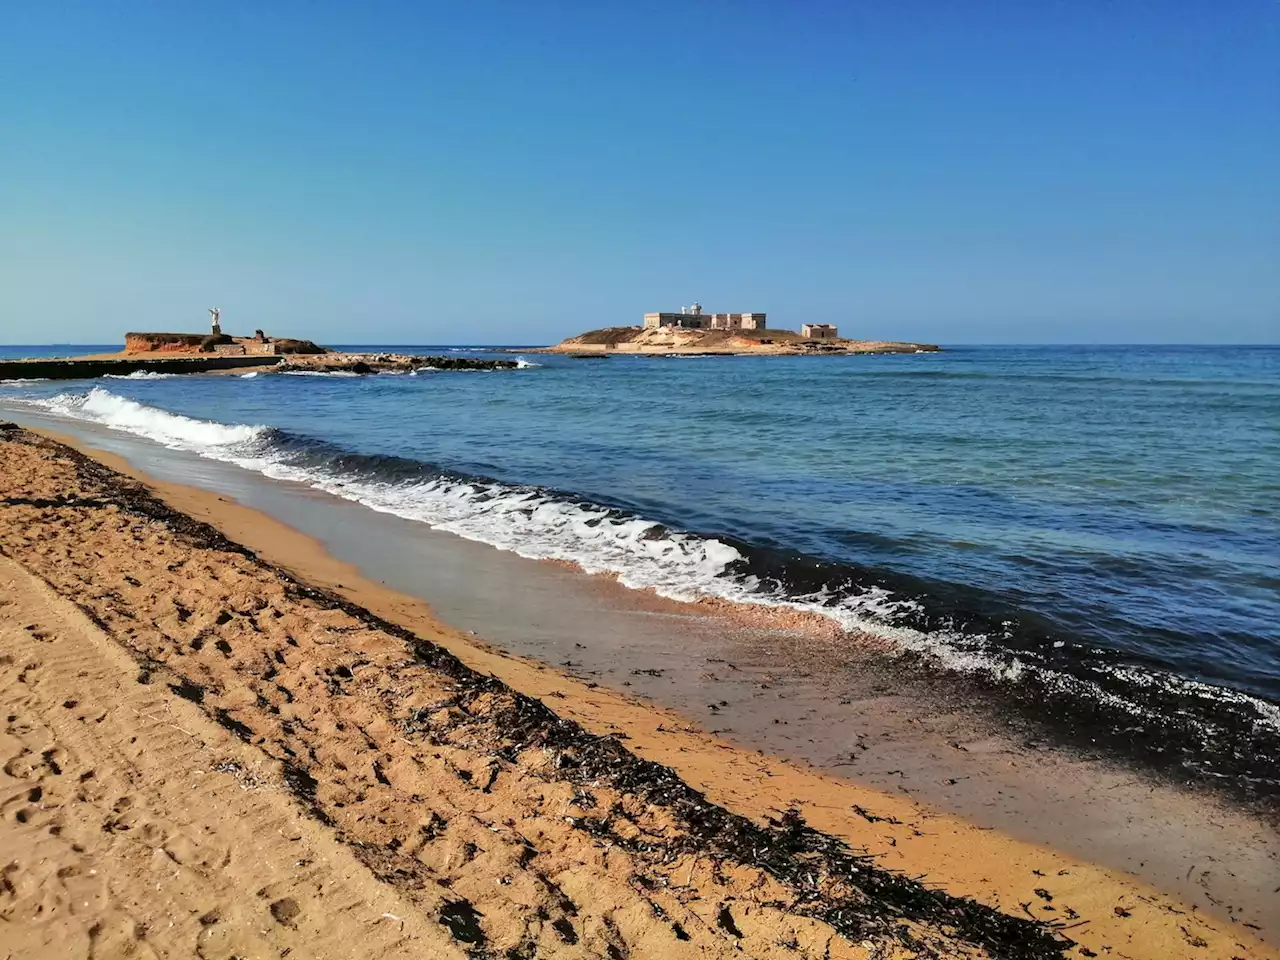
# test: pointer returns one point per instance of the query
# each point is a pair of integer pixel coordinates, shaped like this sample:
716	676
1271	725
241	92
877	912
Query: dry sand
387	765
133	825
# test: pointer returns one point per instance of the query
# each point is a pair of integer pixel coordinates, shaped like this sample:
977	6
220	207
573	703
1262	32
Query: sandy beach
220	741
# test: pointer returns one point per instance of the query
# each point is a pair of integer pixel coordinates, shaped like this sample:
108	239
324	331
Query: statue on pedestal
216	314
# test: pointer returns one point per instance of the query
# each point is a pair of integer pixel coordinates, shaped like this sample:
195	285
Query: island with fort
692	332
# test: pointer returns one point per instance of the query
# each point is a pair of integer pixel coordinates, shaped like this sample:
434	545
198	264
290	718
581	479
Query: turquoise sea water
1105	515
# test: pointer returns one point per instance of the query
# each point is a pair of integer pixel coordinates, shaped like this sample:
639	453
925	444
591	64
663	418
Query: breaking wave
173	430
139	375
1141	708
319	373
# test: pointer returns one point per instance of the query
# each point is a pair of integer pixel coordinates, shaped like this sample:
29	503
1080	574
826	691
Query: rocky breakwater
361	363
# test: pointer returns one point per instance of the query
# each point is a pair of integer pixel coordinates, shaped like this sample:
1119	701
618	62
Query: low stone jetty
77	369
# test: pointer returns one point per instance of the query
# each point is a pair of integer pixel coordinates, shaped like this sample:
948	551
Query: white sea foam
320	373
641	554
19	381
536	525
523	364
129	416
249	376
139	375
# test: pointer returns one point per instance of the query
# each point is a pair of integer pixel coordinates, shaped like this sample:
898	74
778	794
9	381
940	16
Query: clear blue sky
514	172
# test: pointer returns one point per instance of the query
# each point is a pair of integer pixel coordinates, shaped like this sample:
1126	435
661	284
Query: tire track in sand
132	826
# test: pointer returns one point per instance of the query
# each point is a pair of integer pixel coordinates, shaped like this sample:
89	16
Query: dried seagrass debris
850	892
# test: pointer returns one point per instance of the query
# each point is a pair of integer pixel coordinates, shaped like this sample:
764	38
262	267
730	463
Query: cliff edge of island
678	340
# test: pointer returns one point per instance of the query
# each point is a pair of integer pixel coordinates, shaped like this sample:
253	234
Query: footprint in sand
24	809
285	909
118	935
226	933
17	726
23	766
124	818
203	858
91	789
39	892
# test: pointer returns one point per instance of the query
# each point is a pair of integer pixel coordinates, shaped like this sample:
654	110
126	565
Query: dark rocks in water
395	363
462	363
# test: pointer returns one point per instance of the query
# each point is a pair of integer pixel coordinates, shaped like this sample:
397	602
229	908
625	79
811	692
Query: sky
516	172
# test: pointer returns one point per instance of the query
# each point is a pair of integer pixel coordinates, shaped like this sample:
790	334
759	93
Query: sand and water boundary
1118	914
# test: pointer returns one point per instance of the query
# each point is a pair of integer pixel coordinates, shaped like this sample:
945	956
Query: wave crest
139	375
171	429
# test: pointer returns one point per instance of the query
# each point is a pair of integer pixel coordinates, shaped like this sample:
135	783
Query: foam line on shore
1015	860
642	554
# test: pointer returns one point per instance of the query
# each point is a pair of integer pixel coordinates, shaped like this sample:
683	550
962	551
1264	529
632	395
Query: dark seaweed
786	848
188	690
463	921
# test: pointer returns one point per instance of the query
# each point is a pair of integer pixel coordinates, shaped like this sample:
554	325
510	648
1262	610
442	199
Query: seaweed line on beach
829	882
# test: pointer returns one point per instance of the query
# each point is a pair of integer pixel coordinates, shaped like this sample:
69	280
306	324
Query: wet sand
797	693
1119	914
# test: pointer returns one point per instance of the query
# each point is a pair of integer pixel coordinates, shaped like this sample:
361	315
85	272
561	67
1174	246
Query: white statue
216	314
696	309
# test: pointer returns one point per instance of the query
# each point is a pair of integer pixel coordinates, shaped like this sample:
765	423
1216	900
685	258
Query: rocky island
216	351
692	332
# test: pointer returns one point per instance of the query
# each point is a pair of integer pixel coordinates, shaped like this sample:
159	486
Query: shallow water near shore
788	691
1090	527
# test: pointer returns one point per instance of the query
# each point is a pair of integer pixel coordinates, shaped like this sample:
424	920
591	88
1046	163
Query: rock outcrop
388	363
193	343
675	340
288	347
164	342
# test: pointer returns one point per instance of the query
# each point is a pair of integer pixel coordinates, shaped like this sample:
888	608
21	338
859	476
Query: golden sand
217	752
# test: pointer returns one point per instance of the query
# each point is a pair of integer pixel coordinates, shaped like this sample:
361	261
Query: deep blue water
56	350
1121	500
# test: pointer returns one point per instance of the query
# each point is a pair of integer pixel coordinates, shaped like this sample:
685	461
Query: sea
1088	534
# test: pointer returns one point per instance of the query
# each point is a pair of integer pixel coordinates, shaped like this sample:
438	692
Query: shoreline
956	854
1173	721
888	725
